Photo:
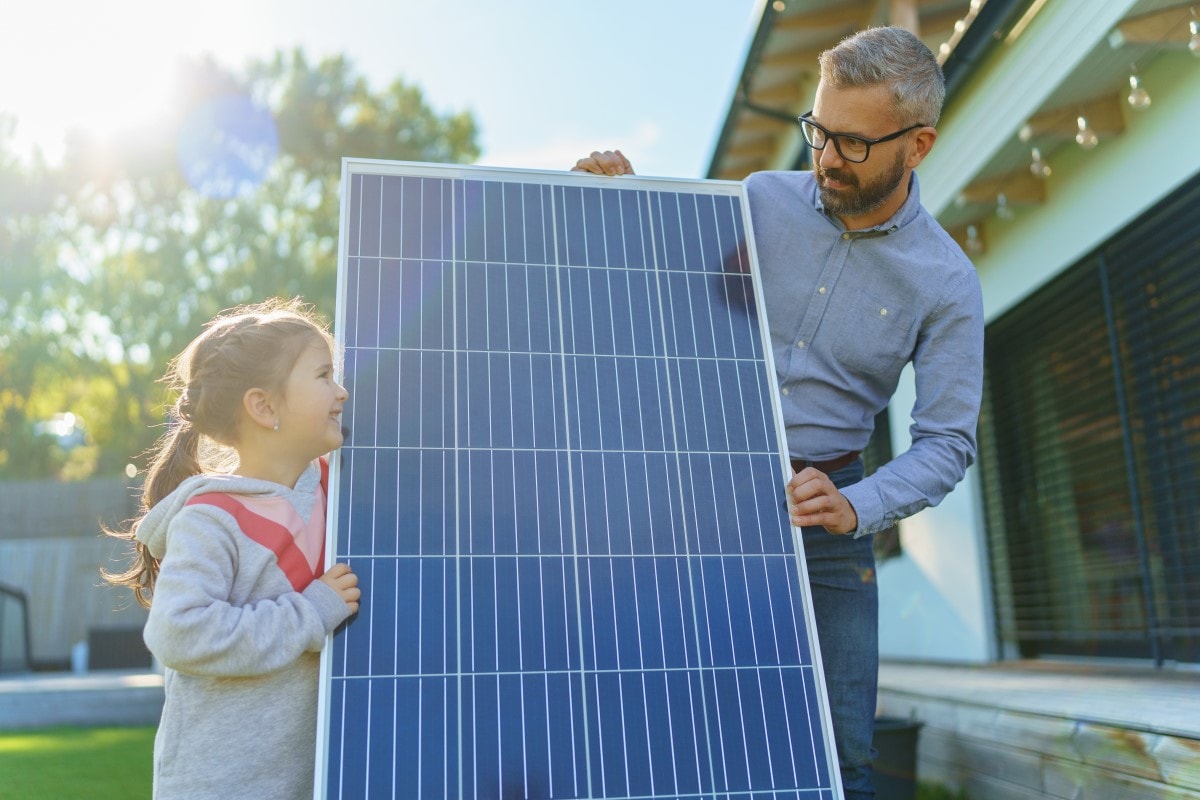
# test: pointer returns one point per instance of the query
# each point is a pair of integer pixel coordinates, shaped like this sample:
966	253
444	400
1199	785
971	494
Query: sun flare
96	67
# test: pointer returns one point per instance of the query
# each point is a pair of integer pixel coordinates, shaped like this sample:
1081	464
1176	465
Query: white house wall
934	599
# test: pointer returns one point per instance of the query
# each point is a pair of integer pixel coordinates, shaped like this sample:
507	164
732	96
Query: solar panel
562	491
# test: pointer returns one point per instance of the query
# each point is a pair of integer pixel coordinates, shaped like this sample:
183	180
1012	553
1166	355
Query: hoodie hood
154	528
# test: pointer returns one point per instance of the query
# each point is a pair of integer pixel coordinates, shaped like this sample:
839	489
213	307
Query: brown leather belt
832	465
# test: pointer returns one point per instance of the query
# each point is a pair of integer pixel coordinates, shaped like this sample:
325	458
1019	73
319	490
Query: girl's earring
276	429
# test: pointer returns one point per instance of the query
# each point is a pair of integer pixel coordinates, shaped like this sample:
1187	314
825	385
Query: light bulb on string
974	244
1086	137
1138	97
1194	29
1038	167
1003	209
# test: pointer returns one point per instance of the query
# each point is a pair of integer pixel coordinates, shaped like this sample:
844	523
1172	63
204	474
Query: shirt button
821	290
800	344
785	390
883	312
845	235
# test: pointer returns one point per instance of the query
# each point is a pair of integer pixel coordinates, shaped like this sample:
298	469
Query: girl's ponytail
175	458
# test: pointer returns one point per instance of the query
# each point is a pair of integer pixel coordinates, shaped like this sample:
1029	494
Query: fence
52	550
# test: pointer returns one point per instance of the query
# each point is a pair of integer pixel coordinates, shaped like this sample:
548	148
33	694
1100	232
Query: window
1090	450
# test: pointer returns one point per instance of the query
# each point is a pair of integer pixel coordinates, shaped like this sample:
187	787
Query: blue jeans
845	596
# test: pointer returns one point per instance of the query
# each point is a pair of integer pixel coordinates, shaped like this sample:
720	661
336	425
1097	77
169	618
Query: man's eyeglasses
854	149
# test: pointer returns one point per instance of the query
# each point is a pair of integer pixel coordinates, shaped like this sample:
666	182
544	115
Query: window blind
1090	436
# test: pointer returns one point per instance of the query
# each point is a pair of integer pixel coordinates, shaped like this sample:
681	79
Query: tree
112	262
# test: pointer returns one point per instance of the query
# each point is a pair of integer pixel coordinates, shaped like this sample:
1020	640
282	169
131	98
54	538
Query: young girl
229	556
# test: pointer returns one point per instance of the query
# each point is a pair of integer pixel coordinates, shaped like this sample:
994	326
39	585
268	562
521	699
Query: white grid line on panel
499	738
682	670
374	486
696	360
524	739
648	556
458	563
548	264
512	427
420	292
637	606
420	739
700	247
691	317
741	716
571	483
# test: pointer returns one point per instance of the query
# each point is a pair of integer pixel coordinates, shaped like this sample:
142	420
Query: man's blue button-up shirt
847	311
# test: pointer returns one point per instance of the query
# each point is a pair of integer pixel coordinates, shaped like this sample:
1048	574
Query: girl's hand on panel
345	583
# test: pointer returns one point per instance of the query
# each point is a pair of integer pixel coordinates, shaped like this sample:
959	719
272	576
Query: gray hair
894	57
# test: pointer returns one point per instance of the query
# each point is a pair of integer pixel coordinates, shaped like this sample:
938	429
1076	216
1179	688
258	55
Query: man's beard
859	199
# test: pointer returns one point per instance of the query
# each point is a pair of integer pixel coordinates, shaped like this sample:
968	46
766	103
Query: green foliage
92	763
111	262
936	791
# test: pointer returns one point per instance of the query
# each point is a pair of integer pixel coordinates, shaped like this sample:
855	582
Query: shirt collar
904	215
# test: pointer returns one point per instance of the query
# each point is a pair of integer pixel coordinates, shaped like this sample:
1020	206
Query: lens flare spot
227	146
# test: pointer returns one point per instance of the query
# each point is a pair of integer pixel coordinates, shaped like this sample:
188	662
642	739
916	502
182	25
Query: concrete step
98	698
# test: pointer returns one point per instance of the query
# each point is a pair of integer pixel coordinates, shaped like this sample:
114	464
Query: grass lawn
76	764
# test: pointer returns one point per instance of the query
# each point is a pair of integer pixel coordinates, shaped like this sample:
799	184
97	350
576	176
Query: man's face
847	194
851	190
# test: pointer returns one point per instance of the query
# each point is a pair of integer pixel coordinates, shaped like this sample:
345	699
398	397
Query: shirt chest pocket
875	336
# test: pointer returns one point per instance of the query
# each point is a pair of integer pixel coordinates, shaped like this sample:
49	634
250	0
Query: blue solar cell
562	493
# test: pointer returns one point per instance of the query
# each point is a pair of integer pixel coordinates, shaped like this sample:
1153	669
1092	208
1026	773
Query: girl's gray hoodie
239	646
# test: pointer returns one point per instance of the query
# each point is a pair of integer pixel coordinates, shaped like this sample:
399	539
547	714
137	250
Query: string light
1086	137
1138	97
1194	29
1003	209
974	244
1038	167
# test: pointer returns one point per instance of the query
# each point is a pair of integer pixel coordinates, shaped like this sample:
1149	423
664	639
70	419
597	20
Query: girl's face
310	417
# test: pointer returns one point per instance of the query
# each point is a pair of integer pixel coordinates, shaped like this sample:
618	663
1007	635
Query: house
1043	622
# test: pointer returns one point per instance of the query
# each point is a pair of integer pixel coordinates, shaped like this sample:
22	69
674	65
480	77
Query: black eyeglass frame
805	120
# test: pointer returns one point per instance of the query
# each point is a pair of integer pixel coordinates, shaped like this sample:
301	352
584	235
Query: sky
548	81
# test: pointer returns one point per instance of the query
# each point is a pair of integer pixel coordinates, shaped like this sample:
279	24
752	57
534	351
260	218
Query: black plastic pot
895	769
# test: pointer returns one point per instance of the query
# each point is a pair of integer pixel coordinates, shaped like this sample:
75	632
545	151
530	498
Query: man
860	280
